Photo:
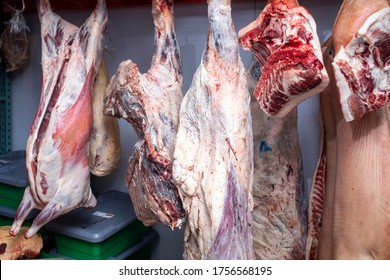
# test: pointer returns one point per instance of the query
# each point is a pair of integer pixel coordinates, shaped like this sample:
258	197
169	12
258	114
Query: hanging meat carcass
320	215
284	40
361	214
104	144
355	219
57	147
213	159
279	212
362	63
151	103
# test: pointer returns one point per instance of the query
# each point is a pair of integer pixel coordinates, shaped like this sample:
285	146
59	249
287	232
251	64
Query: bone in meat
151	103
284	40
213	159
57	147
362	63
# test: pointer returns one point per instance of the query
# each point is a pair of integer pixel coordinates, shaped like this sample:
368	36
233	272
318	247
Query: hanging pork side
150	102
362	62
320	216
213	159
57	148
356	212
285	42
279	212
104	144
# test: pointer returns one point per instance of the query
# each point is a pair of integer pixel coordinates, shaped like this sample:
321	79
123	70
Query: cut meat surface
279	213
104	144
362	65
284	40
213	158
150	102
57	147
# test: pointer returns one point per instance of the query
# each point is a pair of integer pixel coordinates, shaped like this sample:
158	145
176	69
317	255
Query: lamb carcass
362	63
104	144
213	159
279	212
284	40
151	103
57	147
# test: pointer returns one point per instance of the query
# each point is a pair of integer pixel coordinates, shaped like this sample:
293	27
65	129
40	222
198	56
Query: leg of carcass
91	202
50	212
24	209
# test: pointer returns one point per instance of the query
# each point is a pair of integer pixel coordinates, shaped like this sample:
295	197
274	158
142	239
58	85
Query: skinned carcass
355	219
361	213
284	40
213	158
151	103
57	147
279	226
320	214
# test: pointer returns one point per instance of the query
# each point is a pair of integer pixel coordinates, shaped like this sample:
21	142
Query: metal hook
13	8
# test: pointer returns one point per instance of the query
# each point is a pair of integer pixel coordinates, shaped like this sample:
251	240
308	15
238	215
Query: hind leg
51	211
24	209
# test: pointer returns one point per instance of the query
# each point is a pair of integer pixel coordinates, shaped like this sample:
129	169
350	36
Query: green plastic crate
84	250
99	233
10	196
7	221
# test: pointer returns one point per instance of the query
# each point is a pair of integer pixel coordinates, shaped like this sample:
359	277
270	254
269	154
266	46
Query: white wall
130	36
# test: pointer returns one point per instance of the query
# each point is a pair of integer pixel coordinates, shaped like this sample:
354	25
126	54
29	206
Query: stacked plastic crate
13	182
108	231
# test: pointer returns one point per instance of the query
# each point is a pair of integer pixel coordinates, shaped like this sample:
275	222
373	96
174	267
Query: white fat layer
380	20
344	89
377	21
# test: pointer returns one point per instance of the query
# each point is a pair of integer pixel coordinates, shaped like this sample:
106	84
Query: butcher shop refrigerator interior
195	130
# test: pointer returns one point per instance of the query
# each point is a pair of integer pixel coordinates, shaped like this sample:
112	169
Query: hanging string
254	10
13	8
